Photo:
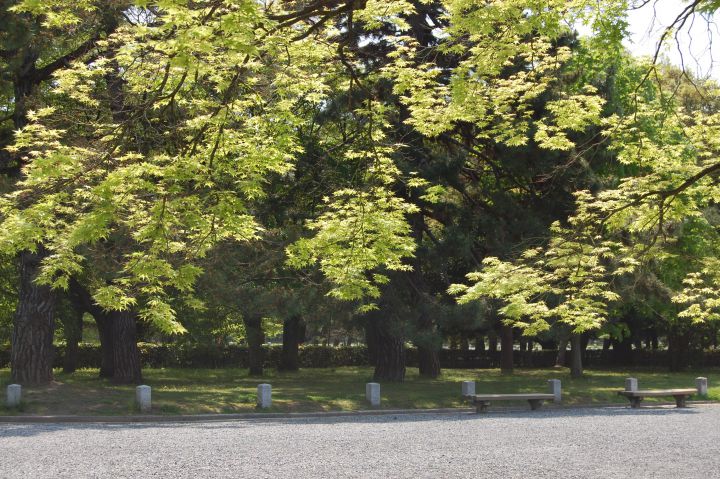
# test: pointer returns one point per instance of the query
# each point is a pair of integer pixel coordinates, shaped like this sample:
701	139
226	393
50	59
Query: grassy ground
195	391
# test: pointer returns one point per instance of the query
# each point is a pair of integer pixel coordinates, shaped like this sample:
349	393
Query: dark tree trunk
492	341
82	300
388	350
678	350
561	358
107	345
126	357
428	362
576	366
526	346
255	339
427	339
506	349
293	335
73	335
654	340
479	343
31	358
622	352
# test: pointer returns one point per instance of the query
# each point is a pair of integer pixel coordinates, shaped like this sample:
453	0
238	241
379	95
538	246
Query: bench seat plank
511	397
657	392
636	397
482	401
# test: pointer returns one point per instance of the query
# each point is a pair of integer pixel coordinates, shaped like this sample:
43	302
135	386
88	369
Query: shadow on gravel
33	429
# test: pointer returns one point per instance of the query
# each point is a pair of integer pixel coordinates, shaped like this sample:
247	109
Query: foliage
192	144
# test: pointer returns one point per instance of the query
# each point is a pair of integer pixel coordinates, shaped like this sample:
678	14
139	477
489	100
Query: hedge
315	356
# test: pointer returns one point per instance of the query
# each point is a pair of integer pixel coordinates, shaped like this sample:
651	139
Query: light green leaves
358	233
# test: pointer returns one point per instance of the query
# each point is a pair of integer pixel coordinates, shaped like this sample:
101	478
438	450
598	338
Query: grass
202	391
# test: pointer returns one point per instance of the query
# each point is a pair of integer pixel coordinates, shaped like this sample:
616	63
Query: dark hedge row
313	356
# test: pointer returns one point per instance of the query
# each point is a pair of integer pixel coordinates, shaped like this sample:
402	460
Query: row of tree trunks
32	353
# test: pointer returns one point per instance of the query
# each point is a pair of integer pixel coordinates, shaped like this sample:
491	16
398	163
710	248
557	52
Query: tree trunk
73	335
107	345
479	343
293	335
678	350
31	359
492	341
388	350
506	349
126	357
526	346
428	362
622	352
255	339
561	358
576	367
654	340
82	300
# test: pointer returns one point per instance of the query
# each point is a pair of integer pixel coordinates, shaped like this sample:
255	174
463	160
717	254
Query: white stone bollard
14	395
631	384
555	390
264	396
372	393
143	398
702	387
468	388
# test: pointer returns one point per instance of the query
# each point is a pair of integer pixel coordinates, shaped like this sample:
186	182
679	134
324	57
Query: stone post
468	388
14	395
631	384
372	393
143	398
264	396
702	387
555	390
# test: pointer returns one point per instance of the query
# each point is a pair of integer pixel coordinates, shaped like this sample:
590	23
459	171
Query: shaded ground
583	443
193	391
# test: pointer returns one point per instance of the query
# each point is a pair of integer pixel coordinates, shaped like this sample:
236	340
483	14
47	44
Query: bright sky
693	48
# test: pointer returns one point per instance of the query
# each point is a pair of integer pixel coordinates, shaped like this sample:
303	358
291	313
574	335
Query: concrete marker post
631	384
14	395
264	396
143	398
468	388
372	393
555	389
702	386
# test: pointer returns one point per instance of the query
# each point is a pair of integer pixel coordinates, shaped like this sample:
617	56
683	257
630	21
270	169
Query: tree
32	51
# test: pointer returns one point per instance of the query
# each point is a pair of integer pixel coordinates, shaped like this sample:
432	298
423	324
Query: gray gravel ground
582	443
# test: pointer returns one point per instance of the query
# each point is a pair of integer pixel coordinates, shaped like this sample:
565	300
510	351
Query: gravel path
608	442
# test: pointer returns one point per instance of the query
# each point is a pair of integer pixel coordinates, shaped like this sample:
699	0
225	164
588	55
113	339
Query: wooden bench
482	401
636	397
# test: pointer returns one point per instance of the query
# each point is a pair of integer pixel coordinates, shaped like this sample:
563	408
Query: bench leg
680	401
535	404
481	406
635	402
